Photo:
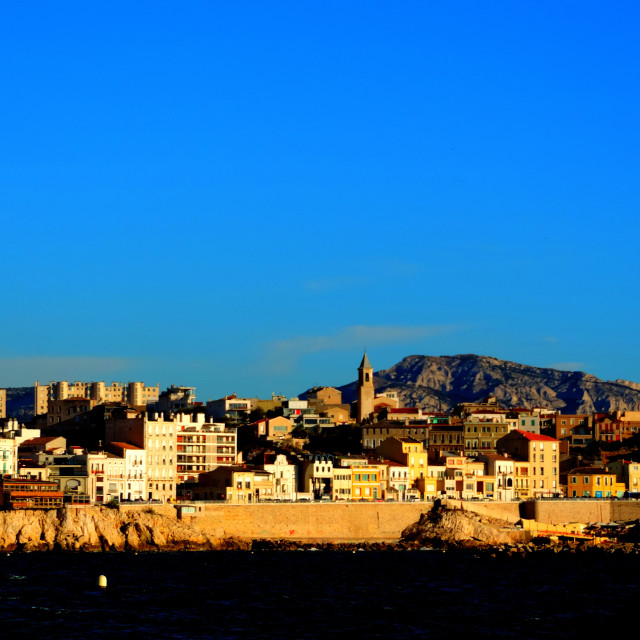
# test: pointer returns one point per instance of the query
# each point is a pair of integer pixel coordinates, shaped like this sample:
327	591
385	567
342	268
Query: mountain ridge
441	382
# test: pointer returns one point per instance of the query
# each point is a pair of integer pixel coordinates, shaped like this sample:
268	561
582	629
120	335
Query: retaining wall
325	522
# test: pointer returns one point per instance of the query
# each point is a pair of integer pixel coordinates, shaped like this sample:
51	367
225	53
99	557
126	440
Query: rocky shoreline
106	529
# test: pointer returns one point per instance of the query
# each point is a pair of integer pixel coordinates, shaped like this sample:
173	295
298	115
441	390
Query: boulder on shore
443	527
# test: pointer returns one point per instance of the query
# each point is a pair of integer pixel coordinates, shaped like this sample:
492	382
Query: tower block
366	392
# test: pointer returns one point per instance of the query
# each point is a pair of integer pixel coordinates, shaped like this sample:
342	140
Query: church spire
366	392
365	364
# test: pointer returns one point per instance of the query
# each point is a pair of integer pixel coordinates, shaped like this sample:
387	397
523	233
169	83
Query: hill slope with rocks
441	382
20	402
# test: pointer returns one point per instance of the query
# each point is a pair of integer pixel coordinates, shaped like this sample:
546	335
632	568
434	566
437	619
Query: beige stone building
277	428
324	395
132	393
179	446
3	403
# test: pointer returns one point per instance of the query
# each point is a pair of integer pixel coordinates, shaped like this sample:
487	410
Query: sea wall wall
308	522
564	511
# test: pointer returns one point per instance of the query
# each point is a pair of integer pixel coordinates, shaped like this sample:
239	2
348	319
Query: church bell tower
365	389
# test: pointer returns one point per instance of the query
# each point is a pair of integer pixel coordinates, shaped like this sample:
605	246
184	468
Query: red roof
37	441
535	436
125	445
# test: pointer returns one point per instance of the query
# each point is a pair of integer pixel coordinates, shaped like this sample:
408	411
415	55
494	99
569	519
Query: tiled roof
591	471
38	441
535	436
126	445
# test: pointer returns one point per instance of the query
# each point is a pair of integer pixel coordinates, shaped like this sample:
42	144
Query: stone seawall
564	511
324	522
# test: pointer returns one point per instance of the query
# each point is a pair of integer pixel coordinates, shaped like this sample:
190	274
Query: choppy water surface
316	595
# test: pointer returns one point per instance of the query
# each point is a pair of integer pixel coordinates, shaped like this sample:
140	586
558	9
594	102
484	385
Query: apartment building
412	454
134	486
502	469
482	432
539	477
132	393
8	456
202	446
628	473
577	427
179	446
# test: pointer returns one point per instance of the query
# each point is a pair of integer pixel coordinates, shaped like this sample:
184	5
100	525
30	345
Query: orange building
593	482
368	482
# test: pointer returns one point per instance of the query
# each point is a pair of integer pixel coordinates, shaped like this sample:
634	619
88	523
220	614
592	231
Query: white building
8	456
284	478
135	470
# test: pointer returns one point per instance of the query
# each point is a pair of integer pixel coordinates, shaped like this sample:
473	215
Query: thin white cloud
282	355
18	372
550	339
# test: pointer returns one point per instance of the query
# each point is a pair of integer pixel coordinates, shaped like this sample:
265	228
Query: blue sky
243	196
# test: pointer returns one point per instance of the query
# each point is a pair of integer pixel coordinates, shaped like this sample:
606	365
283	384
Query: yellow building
239	485
3	403
368	482
627	473
593	482
412	454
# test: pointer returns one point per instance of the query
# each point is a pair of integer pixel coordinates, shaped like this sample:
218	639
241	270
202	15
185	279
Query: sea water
317	594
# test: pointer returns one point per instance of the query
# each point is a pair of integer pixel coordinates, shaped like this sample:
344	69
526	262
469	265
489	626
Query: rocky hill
441	382
20	402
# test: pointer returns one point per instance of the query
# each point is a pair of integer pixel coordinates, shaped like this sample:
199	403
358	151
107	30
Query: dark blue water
296	594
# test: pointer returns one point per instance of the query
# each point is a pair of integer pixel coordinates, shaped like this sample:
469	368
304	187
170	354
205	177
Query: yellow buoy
102	582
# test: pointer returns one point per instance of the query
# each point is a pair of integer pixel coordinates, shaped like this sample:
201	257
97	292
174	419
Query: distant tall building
3	403
134	393
366	392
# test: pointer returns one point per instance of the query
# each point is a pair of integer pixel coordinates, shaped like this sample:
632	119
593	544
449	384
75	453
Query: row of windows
366	476
606	480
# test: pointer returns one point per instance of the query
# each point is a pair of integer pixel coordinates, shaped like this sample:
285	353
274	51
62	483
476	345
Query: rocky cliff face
441	382
98	529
